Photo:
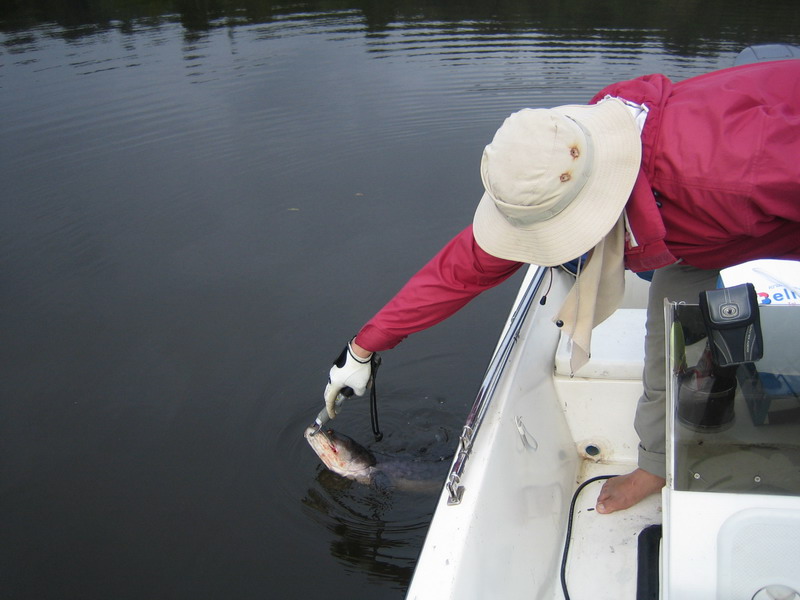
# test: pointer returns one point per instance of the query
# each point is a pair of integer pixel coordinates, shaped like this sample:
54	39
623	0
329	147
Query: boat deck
599	403
603	554
730	519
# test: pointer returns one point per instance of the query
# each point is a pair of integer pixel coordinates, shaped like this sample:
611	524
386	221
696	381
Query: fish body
346	457
342	454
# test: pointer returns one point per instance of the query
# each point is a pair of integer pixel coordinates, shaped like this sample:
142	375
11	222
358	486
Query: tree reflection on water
685	28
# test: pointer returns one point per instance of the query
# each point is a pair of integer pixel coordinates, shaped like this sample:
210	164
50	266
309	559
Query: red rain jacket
719	185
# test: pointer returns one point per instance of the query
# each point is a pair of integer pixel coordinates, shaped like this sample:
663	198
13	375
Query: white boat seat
599	402
617	348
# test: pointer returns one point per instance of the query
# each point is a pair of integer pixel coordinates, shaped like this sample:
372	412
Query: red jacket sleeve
458	273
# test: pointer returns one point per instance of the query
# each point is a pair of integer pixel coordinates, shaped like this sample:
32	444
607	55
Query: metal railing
486	391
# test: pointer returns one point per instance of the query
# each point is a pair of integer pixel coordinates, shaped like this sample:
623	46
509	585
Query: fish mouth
317	437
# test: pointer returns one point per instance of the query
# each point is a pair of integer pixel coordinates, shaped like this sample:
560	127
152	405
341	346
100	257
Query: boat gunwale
494	372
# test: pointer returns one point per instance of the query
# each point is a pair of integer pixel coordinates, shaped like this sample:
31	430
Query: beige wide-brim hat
556	181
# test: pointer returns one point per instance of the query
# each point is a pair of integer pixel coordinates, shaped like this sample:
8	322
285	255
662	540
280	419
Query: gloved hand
350	371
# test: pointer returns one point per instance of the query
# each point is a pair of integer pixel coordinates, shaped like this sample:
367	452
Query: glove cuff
357	358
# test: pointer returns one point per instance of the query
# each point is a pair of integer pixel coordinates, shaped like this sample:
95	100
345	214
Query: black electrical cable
569	530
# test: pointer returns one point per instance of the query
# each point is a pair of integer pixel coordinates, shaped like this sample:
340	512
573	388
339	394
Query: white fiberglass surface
505	539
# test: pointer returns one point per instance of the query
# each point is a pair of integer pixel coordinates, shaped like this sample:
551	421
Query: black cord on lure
375	362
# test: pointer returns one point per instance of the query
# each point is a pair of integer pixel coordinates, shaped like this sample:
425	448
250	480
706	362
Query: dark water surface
201	202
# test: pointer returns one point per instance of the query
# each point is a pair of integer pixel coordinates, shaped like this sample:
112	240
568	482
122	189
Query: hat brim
592	213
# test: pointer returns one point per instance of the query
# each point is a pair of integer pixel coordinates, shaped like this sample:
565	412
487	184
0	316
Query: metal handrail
489	385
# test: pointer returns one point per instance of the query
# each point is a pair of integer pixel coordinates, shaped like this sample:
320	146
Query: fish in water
346	457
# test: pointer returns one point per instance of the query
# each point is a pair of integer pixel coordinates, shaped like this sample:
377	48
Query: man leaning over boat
683	179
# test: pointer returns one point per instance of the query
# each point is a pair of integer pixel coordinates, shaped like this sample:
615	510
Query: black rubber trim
647	579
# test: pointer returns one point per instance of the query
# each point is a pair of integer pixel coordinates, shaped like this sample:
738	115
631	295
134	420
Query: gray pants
680	283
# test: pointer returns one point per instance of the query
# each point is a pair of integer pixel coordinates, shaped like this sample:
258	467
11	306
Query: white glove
347	371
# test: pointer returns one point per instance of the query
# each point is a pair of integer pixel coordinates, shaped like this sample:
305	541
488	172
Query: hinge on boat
456	491
453	485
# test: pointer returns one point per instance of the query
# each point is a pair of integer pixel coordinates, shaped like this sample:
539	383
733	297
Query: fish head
341	454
